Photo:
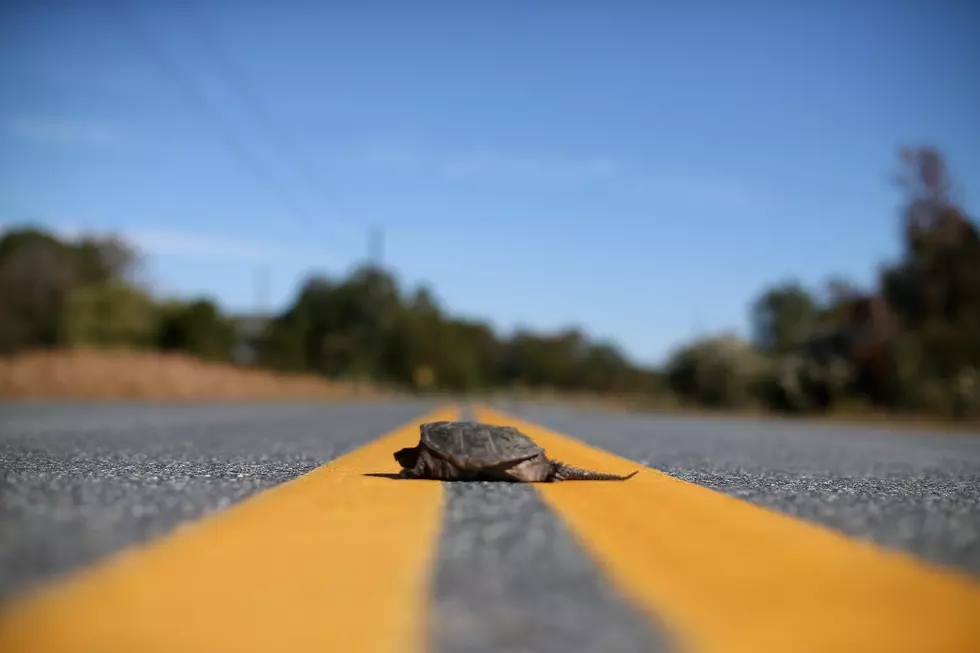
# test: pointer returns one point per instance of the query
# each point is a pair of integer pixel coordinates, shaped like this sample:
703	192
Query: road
480	567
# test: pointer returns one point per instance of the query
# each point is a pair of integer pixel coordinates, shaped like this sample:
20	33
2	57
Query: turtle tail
562	472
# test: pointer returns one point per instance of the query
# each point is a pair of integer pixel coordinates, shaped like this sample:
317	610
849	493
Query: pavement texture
915	492
511	577
80	482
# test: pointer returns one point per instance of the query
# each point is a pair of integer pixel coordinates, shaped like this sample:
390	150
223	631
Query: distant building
248	331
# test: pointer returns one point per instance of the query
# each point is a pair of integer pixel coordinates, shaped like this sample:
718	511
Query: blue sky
641	172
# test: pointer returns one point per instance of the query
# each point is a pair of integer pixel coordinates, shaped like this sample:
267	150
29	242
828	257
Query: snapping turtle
473	451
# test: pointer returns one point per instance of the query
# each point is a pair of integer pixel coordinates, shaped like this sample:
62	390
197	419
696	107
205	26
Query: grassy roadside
108	376
150	376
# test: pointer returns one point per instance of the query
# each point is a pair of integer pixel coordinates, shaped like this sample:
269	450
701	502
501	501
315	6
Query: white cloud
65	131
157	241
169	242
489	165
549	170
715	193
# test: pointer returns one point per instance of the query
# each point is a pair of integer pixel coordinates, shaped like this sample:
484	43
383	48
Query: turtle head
408	456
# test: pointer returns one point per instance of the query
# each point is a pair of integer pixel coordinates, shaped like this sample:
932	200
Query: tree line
910	343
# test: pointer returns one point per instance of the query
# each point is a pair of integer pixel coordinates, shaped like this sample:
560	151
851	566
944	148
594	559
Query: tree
101	260
36	275
782	317
197	328
110	313
55	293
935	288
720	371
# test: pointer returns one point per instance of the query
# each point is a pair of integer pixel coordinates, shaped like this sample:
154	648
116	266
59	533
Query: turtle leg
433	467
532	470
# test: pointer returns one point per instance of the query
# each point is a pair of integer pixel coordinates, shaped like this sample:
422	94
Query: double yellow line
727	575
340	560
334	560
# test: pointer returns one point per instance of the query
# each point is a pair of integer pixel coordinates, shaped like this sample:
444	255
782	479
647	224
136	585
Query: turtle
475	451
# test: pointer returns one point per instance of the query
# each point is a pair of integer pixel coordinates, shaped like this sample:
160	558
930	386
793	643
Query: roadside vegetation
110	375
908	346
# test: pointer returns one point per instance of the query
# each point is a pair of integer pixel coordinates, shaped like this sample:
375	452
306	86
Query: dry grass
151	376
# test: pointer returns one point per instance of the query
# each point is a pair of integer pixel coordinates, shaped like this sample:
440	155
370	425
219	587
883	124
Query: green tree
197	328
55	293
36	276
782	317
720	371
109	313
935	288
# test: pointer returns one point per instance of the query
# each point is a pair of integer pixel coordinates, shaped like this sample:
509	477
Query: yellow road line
331	561
730	576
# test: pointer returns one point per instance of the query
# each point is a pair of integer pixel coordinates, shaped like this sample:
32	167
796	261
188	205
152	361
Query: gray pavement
78	482
511	578
915	492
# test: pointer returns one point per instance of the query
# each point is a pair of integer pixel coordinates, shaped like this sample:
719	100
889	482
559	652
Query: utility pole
376	260
251	326
261	289
376	247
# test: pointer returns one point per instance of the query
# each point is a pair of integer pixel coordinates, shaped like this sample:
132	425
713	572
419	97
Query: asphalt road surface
80	482
916	492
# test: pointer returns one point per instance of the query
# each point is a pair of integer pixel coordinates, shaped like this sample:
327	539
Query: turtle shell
474	445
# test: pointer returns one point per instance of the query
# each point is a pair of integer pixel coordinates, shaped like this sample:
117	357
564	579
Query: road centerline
731	576
335	558
511	578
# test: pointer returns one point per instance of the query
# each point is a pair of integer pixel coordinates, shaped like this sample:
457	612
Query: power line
378	308
261	289
237	80
197	100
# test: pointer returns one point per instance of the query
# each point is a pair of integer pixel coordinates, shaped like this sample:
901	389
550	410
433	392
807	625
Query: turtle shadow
399	477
